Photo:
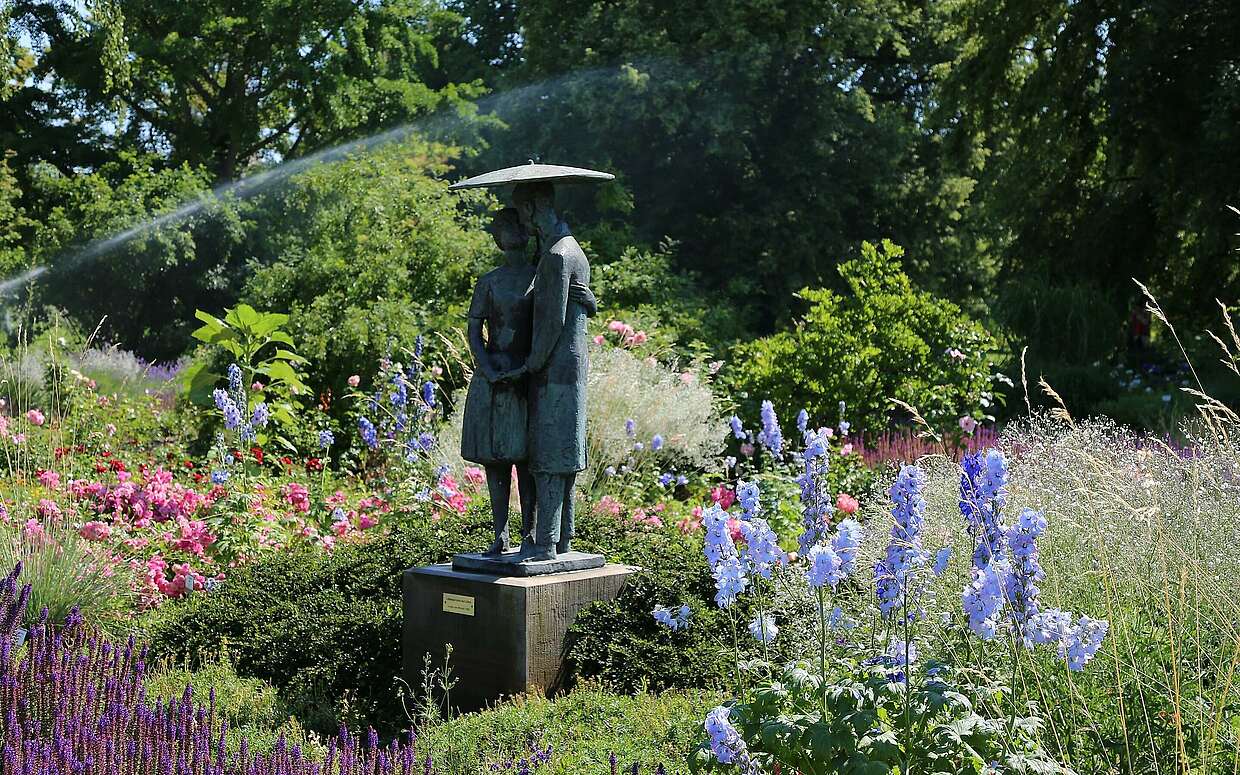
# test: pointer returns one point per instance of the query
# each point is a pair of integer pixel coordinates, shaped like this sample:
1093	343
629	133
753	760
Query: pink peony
36	417
968	424
616	326
366	521
846	503
354	381
95	531
474	475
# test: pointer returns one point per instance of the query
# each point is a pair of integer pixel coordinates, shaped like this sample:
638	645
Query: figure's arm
477	346
550	309
581	293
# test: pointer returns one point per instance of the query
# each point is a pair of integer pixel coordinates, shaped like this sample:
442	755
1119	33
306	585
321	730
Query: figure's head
507	230
535	203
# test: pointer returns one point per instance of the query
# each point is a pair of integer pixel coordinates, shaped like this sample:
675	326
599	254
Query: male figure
557	366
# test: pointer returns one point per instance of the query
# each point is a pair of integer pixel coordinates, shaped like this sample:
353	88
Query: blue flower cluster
726	565
761	553
738	430
677	620
370	437
771	436
748	495
1007	569
326	439
403	413
725	742
895	576
829	564
232	404
763	628
816	508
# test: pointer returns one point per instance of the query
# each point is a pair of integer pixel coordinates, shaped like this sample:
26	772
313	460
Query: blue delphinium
682	480
656	443
726	742
367	430
326	439
630	427
727	567
802	420
846	542
219	476
428	393
666	478
816	508
983	494
763	628
748	495
771	436
982	599
941	558
761	552
1025	571
673	620
1083	641
895	574
738	430
234	377
227	407
260	416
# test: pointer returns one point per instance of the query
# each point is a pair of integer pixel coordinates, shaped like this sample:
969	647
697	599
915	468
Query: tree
767	139
1103	136
216	84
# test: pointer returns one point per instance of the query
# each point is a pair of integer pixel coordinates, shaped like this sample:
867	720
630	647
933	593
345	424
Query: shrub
364	254
323	629
884	340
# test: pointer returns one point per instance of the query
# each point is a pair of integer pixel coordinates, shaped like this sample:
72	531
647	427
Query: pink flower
616	326
34	529
846	449
747	449
608	505
846	503
691	523
257	386
688	377
354	381
49	479
636	338
110	429
297	496
599	339
734	529
47	509
19	438
474	475
95	531
36	417
437	371
968	424
366	521
724	496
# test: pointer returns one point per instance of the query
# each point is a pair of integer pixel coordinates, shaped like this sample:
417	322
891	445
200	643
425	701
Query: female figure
494	432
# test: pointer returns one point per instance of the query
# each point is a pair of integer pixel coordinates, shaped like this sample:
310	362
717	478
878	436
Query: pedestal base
506	564
507	632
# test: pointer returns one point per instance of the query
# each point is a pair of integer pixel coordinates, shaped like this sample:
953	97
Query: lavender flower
234	377
260	416
983	494
1020	585
802	420
428	394
630	427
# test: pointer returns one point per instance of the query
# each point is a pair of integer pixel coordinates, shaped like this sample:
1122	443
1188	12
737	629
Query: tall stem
908	694
822	649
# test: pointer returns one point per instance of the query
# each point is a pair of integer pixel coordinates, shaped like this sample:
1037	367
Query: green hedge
323	629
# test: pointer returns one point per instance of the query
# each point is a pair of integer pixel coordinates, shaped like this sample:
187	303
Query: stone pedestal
507	633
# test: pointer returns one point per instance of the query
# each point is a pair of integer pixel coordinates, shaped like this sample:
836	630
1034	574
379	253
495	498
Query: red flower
286	461
199	476
236	453
60	452
117	464
257	452
314	464
189	464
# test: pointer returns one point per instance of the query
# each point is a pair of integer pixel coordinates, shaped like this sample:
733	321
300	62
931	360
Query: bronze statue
526	404
495	430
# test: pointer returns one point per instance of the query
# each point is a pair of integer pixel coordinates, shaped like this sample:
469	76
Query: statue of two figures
526	404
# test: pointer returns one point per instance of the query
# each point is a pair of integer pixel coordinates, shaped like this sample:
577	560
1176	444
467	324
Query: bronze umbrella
532	173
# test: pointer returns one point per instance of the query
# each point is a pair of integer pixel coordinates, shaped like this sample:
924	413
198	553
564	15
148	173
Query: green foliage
365	254
584	728
242	702
884	340
863	722
323	629
263	351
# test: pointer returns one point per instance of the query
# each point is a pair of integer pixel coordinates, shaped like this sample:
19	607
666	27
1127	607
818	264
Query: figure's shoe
564	546
536	554
499	546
